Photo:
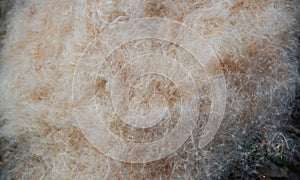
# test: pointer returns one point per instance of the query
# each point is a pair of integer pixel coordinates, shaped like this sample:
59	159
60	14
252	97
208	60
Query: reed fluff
65	65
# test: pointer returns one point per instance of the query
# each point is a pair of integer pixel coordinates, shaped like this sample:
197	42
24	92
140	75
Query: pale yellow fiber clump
48	42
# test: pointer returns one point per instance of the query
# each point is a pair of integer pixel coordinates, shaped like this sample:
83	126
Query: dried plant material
145	89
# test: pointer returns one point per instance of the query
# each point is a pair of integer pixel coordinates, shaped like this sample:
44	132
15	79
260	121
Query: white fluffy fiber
254	40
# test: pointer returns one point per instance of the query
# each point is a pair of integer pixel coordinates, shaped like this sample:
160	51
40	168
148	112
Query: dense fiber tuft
256	44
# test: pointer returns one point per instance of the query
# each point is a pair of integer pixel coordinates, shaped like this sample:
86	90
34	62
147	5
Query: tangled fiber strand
256	44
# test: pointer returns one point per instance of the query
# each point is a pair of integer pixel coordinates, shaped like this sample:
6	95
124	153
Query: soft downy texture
255	42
